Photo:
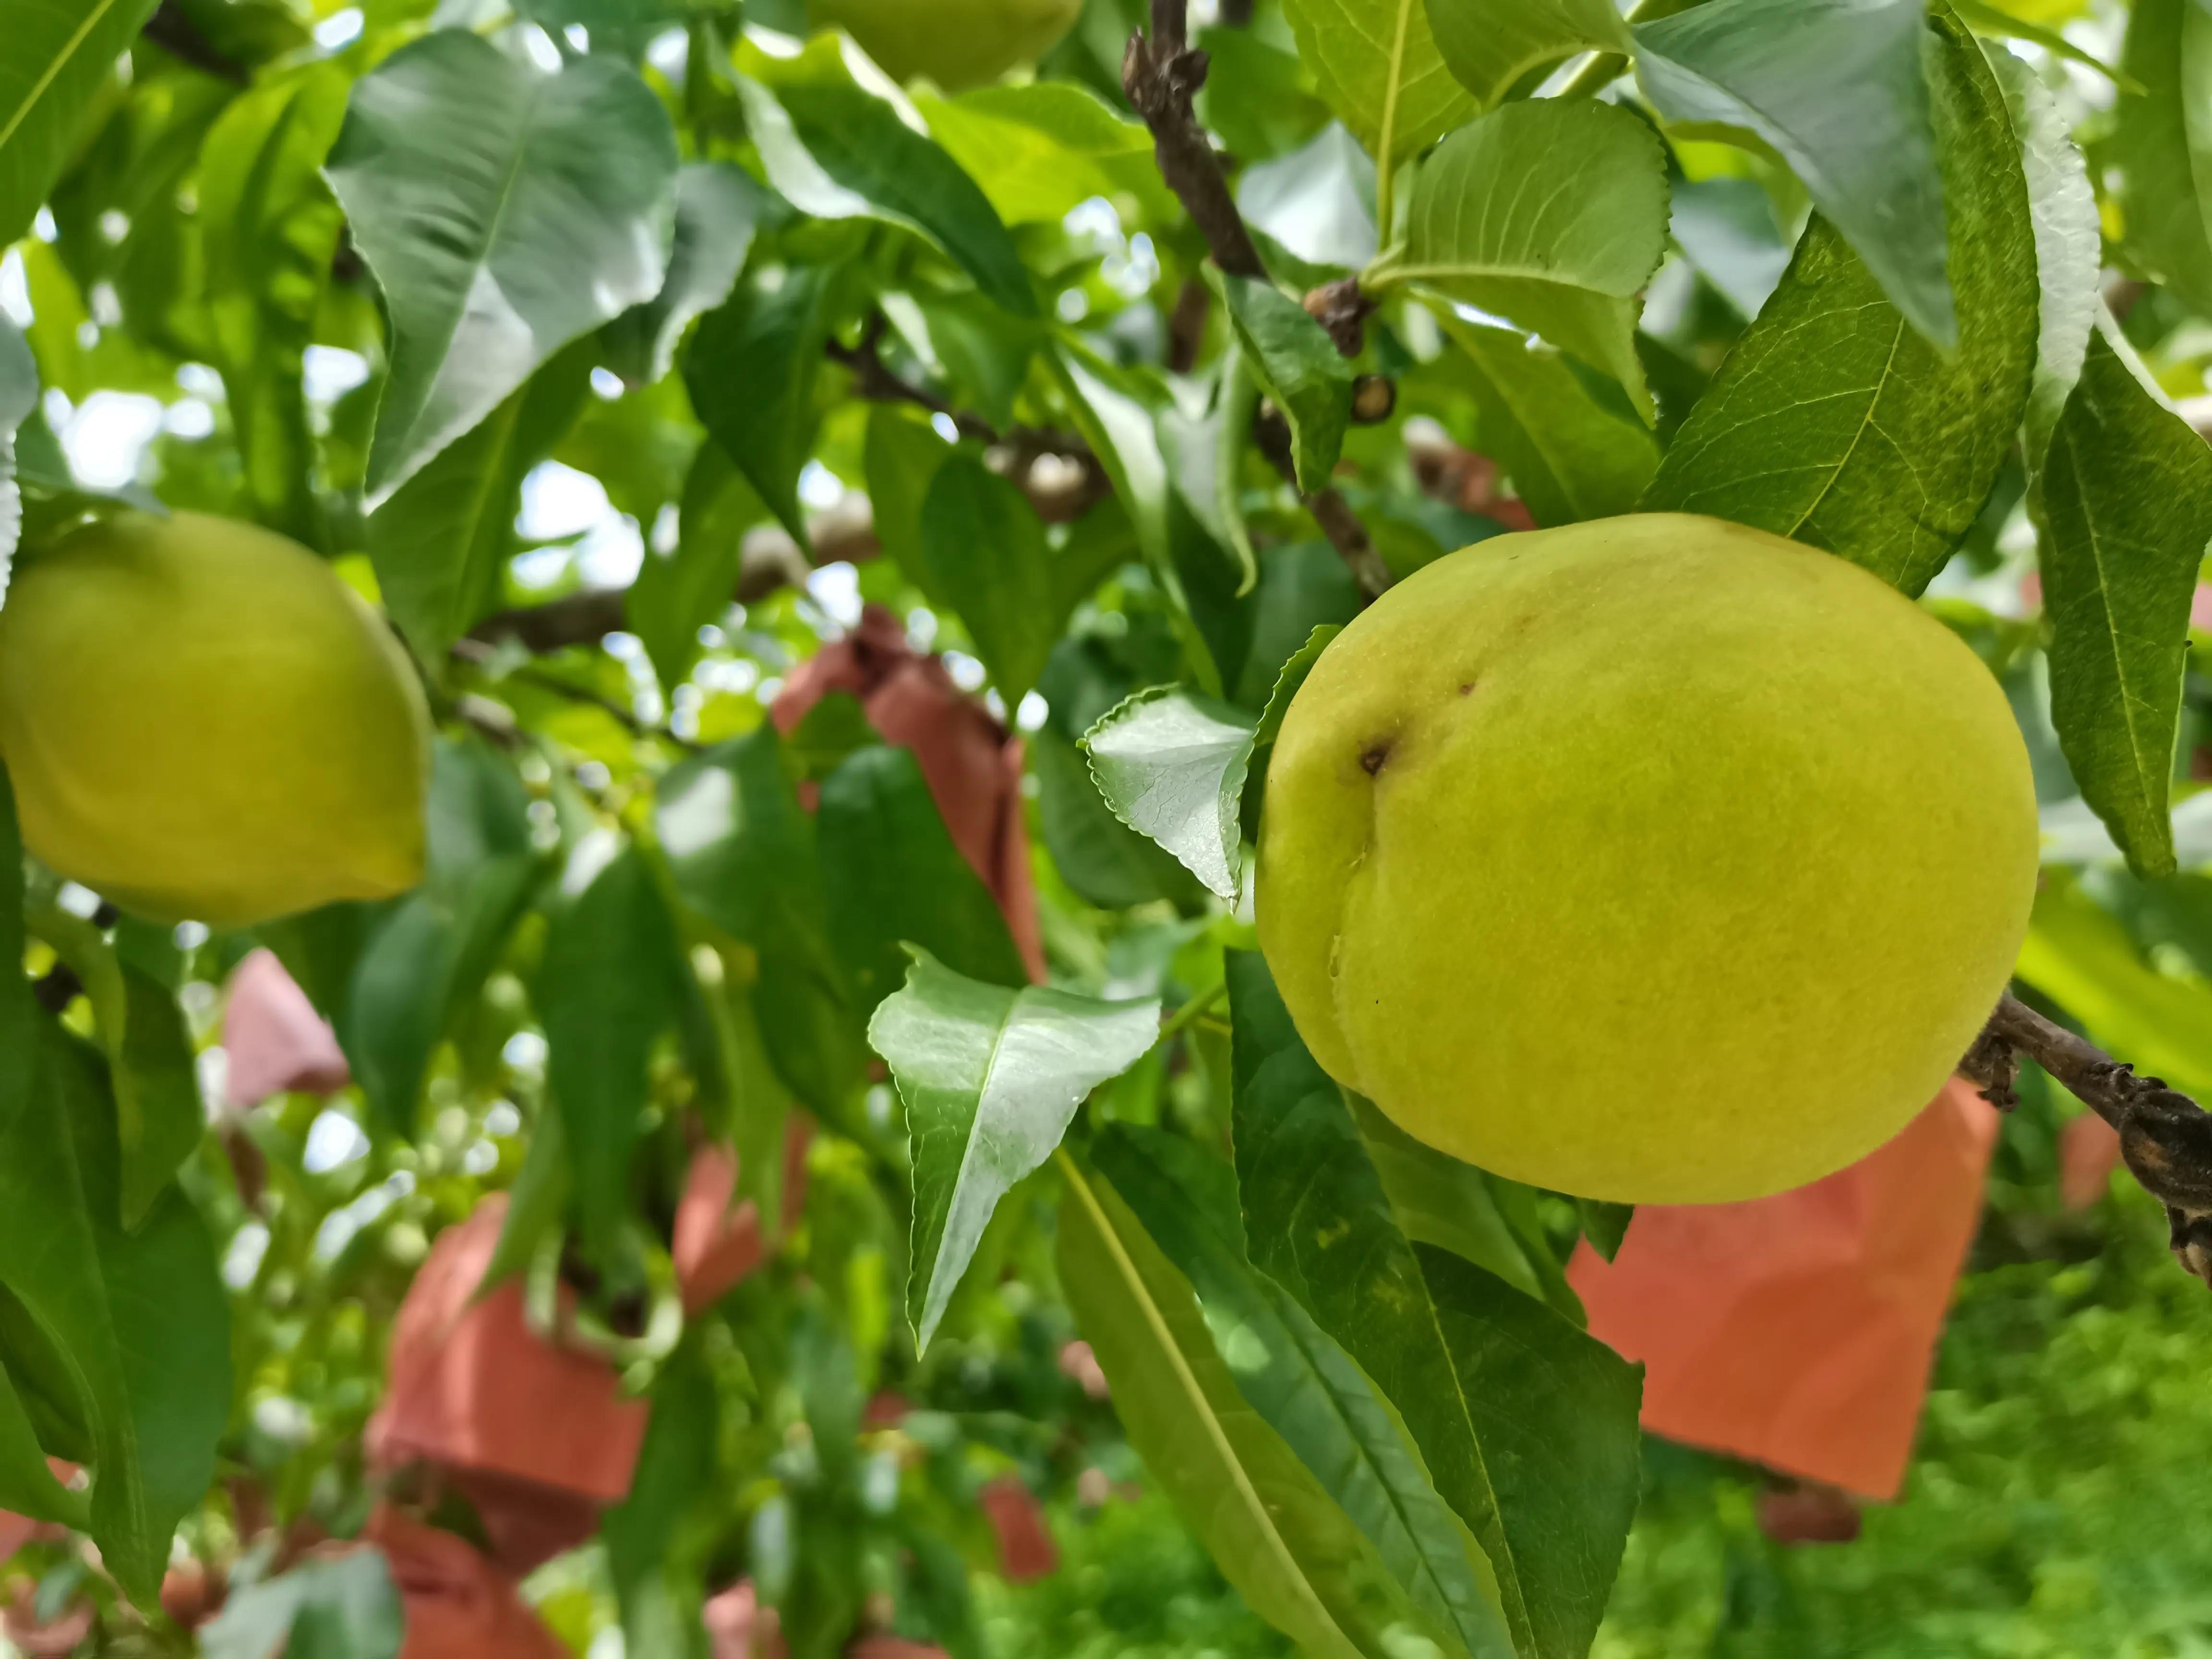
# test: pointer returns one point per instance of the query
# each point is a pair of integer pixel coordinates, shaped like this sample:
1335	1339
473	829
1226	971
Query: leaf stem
1189	1014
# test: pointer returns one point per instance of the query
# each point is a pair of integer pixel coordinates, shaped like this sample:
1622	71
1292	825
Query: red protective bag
472	1388
274	1040
1797	1331
715	1245
457	1604
1025	1547
972	763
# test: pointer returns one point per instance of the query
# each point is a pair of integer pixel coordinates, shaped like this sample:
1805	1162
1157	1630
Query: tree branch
1161	75
2166	1138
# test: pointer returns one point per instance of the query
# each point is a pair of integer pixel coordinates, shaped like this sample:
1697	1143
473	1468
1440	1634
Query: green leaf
268	226
1306	1387
2080	956
1833	420
1275	1534
719	209
603	994
675	1465
1604	1224
140	1317
837	151
893	876
991	1078
1101	859
900	457
431	955
1526	1425
741	850
1991	21
1836	88
1039	149
1207	454
678	593
441	541
1297	367
1727	230
1551	213
2161	146
1493	45
985	548
503	212
59	53
346	1603
2069	248
1172	766
1440	1200
536	1204
751	368
152	1071
19	398
829	733
1569	459
2127	502
1379	68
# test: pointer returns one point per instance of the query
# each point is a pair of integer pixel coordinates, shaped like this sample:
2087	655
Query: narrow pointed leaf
1274	1533
985	549
1296	365
1836	88
603	994
345	1606
1551	213
837	151
2127	501
2162	145
892	876
1492	44
719	208
2069	245
440	542
991	1078
1039	149
18	396
58	53
269	227
1380	70
751	368
1833	420
435	950
1544	1474
1306	1387
503	211
1569	460
1172	766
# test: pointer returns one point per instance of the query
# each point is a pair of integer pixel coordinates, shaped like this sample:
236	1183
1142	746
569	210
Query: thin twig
481	654
1330	510
1161	75
2166	1138
1191	1012
875	383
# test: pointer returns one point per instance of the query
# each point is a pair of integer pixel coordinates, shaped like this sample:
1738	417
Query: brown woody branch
1161	75
2166	1138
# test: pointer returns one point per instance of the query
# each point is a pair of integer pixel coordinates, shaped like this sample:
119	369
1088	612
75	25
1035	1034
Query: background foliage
648	362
